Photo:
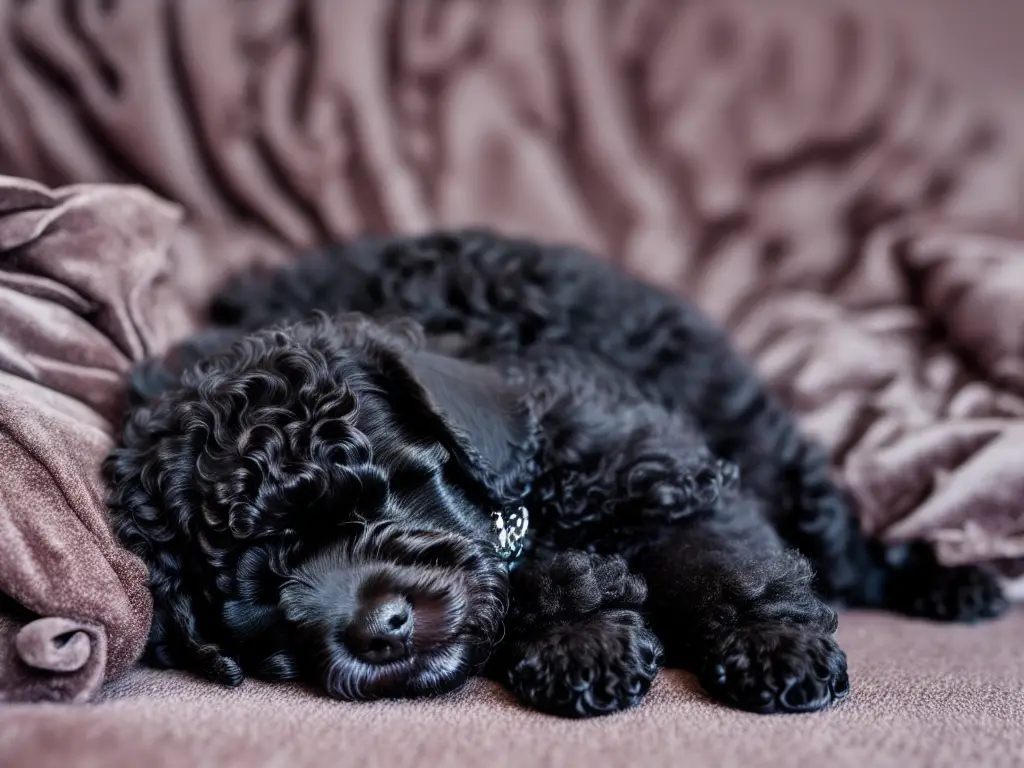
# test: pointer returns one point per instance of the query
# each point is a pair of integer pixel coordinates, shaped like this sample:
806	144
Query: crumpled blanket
793	169
77	275
92	279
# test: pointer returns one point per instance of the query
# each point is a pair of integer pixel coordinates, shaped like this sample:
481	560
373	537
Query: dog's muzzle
396	612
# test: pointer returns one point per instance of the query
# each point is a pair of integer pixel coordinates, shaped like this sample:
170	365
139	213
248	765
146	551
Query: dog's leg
744	423
736	607
812	514
576	642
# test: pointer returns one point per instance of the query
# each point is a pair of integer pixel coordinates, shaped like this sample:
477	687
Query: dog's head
316	500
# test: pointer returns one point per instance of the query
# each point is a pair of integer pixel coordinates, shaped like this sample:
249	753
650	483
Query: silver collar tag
509	529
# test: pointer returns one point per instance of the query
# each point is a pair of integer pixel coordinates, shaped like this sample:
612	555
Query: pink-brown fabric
797	171
923	696
92	278
80	278
50	659
915	378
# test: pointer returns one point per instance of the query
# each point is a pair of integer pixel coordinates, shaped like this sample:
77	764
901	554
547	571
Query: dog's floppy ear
489	419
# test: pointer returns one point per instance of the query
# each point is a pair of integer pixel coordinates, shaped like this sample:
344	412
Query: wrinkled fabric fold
81	270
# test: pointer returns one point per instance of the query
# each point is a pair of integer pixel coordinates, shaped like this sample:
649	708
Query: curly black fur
286	468
265	476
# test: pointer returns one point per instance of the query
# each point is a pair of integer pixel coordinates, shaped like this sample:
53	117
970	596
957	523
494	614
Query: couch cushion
923	695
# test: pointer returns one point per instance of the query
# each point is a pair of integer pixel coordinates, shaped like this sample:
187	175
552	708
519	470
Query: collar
509	527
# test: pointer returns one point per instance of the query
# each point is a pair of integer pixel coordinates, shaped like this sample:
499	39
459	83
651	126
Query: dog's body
313	493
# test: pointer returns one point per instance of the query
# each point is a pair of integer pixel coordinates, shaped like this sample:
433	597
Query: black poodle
408	460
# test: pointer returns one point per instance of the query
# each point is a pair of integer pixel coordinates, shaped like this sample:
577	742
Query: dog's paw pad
777	668
962	593
603	664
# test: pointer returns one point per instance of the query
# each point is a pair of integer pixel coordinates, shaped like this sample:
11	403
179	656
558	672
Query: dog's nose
381	630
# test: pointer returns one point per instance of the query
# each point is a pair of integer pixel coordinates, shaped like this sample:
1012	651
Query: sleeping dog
405	461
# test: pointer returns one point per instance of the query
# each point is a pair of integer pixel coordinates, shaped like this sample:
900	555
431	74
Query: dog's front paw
602	664
777	668
922	587
576	583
